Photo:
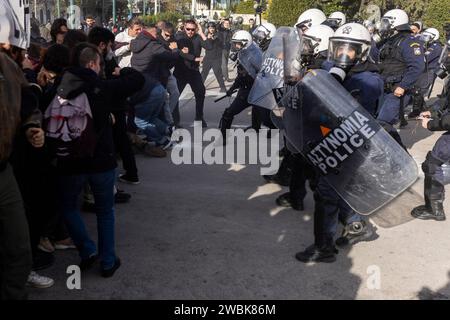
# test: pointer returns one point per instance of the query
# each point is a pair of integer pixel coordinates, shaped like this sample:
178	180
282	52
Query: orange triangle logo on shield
325	130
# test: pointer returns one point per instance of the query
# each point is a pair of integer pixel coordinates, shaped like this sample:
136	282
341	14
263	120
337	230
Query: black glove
229	92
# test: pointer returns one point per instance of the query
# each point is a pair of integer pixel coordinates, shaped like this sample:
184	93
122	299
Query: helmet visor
334	23
259	35
237	45
309	45
346	53
385	25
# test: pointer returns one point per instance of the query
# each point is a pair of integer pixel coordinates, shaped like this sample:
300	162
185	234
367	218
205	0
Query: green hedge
286	12
245	7
167	16
437	14
434	13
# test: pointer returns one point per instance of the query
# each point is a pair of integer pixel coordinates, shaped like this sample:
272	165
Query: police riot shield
251	59
271	74
358	158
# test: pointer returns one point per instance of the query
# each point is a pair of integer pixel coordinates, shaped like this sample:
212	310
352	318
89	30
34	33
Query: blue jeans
148	114
102	185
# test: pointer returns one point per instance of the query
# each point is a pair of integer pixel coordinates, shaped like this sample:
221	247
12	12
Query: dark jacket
187	62
100	94
226	35
151	57
167	65
215	52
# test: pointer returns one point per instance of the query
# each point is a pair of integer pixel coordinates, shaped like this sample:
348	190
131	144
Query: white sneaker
37	281
169	145
64	244
45	245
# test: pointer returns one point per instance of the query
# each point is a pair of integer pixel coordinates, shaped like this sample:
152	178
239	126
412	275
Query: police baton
432	86
223	97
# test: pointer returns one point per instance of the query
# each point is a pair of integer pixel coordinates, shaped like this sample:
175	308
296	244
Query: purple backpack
69	127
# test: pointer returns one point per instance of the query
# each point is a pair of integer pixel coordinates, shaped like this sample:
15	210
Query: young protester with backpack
79	128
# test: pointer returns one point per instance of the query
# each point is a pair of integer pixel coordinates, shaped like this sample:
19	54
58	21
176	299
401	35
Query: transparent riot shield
358	158
271	74
251	59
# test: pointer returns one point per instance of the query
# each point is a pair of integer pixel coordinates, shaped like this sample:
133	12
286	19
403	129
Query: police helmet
430	34
309	18
349	45
392	19
336	19
265	31
241	40
316	39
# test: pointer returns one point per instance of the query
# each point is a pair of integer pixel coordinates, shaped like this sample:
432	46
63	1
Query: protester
95	163
187	71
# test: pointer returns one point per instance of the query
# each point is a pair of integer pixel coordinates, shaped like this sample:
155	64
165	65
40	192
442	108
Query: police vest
392	61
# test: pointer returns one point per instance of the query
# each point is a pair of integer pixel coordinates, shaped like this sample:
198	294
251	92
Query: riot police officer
349	50
262	36
306	20
437	164
314	53
402	63
249	58
433	50
436	168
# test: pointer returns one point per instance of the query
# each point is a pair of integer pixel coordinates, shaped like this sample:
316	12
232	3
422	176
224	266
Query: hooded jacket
101	94
151	57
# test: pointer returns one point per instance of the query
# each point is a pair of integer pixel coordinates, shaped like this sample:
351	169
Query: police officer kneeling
436	167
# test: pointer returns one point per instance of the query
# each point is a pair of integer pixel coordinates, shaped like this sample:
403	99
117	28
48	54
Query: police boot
318	253
356	232
418	103
225	124
403	121
434	200
285	200
283	176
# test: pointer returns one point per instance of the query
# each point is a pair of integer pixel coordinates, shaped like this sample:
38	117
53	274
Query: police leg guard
401	115
434	193
417	105
225	124
283	176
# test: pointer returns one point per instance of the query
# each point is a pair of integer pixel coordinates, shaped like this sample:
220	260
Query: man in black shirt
213	57
187	68
225	34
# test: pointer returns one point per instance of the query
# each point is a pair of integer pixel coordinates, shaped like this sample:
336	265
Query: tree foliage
434	13
166	16
245	7
437	14
286	12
